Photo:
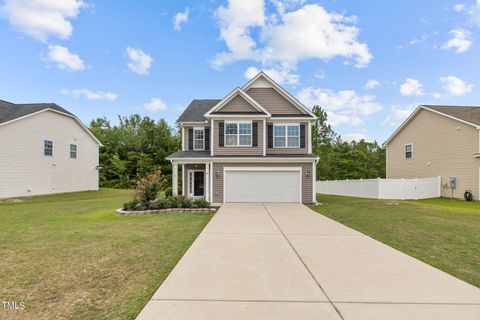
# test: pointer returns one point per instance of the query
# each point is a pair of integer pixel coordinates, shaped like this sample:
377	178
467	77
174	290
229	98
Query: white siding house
45	149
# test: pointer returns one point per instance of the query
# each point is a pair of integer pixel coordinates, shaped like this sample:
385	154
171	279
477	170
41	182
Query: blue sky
105	58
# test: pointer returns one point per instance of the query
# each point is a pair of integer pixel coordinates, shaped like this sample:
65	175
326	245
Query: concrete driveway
284	261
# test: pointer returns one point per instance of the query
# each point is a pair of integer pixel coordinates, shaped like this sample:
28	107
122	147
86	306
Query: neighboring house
45	149
254	145
438	141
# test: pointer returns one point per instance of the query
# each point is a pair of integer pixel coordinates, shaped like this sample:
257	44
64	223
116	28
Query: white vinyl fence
401	189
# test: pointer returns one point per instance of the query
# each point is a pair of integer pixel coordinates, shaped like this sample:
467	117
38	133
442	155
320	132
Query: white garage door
262	185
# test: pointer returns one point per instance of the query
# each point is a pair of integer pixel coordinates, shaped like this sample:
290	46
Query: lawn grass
70	256
441	232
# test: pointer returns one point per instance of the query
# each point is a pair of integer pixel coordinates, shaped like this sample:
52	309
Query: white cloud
424	37
474	13
180	18
372	84
90	95
355	136
64	59
461	41
343	107
412	87
455	86
155	104
140	62
286	37
459	7
41	19
281	76
437	95
397	115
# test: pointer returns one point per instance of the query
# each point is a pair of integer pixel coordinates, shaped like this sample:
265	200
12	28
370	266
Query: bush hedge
166	203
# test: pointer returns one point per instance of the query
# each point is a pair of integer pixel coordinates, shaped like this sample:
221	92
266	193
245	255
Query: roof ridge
449	106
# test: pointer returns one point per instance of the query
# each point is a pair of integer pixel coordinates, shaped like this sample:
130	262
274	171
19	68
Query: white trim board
281	91
59	112
230	96
415	112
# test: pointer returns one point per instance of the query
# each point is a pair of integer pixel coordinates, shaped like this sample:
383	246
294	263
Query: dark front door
198	184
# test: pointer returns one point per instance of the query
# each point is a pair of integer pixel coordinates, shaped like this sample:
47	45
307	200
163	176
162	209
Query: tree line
137	146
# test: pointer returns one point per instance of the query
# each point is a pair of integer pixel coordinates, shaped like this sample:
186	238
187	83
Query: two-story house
438	141
45	150
254	145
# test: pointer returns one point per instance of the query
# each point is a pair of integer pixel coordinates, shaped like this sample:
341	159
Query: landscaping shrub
168	191
186	203
158	204
146	189
201	203
166	203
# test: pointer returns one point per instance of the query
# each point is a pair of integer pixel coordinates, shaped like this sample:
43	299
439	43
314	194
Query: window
408	151
238	134
198	139
286	135
48	148
73	151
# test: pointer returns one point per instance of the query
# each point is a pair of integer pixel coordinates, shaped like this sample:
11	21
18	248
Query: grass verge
70	256
441	232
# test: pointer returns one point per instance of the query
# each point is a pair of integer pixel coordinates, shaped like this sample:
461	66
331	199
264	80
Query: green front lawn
70	256
441	232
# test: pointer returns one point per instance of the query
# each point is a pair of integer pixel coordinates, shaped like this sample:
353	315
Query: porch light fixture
307	173
217	174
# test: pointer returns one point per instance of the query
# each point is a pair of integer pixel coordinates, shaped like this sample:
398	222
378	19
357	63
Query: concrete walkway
284	261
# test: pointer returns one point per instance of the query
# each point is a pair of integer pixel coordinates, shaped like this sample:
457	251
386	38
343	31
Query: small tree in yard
146	189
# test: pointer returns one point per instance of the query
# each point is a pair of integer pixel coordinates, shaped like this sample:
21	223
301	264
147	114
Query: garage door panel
262	186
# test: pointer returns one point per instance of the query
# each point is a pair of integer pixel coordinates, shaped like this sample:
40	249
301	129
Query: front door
198	181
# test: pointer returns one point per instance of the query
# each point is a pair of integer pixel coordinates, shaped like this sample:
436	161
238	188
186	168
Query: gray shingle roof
11	111
470	114
196	109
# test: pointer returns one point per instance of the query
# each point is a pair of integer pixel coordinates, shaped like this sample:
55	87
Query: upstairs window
286	135
238	134
48	148
73	151
408	151
198	139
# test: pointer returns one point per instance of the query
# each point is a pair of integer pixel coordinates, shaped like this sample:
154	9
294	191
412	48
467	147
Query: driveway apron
285	261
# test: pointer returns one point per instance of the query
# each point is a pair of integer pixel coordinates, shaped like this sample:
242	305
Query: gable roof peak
237	92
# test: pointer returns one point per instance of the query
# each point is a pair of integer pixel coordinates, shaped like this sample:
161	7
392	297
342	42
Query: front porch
196	179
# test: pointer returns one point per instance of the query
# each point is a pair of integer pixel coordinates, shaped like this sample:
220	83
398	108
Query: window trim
286	125
76	151
44	147
405	151
203	139
238	134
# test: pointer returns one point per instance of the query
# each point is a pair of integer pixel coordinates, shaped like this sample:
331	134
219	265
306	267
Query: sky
368	63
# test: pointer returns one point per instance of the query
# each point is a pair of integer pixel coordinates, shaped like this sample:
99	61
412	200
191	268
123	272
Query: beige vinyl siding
441	147
225	151
289	150
24	166
238	104
272	101
186	135
307	183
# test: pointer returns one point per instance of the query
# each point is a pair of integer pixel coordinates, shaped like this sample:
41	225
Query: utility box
452	182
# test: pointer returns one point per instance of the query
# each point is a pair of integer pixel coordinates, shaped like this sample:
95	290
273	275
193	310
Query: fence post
378	187
416	188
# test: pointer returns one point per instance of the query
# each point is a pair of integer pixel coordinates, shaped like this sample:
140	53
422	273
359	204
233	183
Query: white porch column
184	181
207	181
174	178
